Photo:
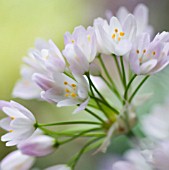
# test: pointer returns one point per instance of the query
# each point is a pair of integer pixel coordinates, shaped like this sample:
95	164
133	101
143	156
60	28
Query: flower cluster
95	72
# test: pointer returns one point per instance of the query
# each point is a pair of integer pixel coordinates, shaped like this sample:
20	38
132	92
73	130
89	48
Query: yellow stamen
88	37
11	131
73	41
73	95
66	95
116	30
154	53
65	83
113	36
137	51
67	90
122	34
119	38
12	118
144	51
73	85
140	59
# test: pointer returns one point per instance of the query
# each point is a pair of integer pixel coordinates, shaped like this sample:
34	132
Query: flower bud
38	146
17	161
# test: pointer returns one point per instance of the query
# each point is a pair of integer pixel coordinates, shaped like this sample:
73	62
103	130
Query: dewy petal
146	67
17	161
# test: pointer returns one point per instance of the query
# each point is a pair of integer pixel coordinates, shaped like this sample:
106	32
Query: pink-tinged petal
12	143
23	109
143	42
115	24
124	165
162	37
42	81
21	123
122	13
146	67
26	89
68	102
134	62
17	161
82	106
67	38
13	112
4	104
141	14
123	47
5	123
38	146
130	27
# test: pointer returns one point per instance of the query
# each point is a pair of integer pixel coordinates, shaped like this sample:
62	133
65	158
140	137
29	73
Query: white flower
80	49
19	123
85	40
63	90
141	13
38	145
115	38
45	59
59	167
148	57
17	161
155	124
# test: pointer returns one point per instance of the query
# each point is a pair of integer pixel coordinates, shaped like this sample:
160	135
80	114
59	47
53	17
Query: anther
73	41
144	51
67	90
119	38
113	36
11	131
66	95
65	83
12	118
73	85
137	51
154	53
116	30
122	34
73	95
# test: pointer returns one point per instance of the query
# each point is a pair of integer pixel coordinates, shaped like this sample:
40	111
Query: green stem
138	87
82	151
118	67
79	135
123	71
127	88
70	123
95	115
112	89
106	104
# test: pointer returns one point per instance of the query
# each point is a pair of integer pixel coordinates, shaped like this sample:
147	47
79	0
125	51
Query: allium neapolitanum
97	71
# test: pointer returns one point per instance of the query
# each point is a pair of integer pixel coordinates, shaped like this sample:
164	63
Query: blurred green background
22	21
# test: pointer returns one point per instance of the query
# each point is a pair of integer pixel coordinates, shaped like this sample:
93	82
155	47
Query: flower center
117	35
142	55
70	90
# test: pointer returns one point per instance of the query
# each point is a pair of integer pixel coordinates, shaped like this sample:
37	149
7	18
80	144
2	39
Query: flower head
17	161
19	123
115	37
38	145
45	59
148	57
63	90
